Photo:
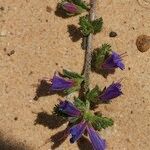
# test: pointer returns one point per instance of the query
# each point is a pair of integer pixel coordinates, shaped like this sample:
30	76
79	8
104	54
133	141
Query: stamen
123	54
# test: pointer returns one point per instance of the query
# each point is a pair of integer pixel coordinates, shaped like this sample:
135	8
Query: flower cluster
84	124
83	121
105	59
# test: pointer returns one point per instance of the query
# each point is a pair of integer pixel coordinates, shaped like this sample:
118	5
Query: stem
89	47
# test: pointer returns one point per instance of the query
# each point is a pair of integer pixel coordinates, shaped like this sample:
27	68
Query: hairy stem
89	47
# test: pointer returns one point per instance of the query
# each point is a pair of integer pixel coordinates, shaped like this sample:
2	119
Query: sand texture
35	42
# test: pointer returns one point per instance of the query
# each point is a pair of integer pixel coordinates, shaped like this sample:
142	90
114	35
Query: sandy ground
35	42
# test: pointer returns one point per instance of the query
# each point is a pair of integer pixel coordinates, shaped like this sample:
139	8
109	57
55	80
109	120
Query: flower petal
68	108
76	131
113	91
97	142
113	61
70	7
60	84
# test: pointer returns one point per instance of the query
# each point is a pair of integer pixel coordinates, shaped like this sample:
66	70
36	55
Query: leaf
80	104
80	3
92	96
77	79
100	54
71	75
73	89
97	25
88	27
100	122
85	26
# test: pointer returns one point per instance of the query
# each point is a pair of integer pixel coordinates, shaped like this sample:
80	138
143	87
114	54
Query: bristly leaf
73	89
71	75
97	25
80	3
80	104
100	54
100	122
85	25
78	79
92	96
88	27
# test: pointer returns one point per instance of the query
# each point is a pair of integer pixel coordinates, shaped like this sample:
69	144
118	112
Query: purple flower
69	109
61	84
77	130
70	8
113	91
113	61
97	142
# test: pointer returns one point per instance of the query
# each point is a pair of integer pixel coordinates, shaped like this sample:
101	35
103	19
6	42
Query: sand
35	42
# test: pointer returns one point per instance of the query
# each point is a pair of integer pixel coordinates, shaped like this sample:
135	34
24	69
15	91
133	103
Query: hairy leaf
100	122
100	54
92	96
97	25
80	3
85	26
71	75
80	104
88	27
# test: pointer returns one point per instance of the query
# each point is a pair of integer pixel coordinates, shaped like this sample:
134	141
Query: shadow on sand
9	144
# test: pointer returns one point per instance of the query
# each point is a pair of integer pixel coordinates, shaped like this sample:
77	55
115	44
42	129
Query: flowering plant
80	114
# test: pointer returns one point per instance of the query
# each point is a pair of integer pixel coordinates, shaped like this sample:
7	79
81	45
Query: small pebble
16	118
112	34
2	8
11	53
5	49
143	43
48	9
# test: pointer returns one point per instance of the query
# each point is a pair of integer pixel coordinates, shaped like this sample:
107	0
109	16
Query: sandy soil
35	42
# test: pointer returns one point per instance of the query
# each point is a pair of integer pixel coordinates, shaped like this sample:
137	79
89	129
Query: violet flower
113	61
61	84
77	130
97	142
70	8
113	91
69	109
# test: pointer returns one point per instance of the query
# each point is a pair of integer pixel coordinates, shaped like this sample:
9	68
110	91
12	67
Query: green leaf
99	55
85	26
80	104
77	79
88	27
80	3
71	75
92	96
100	122
73	89
97	25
